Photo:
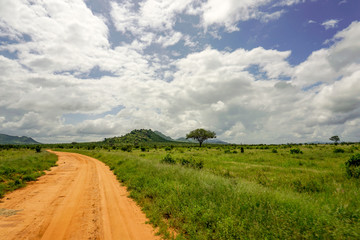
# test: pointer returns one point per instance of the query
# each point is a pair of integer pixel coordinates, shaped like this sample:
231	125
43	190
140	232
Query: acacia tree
335	139
200	135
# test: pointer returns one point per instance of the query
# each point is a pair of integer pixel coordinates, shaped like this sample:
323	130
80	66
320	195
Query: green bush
295	150
192	163
339	150
353	166
168	159
126	148
38	149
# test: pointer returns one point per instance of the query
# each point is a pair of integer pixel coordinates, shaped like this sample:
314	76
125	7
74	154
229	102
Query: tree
200	135
335	139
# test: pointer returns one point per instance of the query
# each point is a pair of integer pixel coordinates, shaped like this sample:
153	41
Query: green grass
18	166
258	194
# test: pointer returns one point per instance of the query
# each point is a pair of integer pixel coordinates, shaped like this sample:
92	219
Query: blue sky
259	71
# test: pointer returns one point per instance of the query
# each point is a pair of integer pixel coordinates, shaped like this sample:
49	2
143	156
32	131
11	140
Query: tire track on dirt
78	199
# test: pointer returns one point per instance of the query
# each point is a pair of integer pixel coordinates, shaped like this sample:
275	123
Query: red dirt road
78	199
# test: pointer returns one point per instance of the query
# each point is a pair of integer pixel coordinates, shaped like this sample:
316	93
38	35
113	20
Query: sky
253	71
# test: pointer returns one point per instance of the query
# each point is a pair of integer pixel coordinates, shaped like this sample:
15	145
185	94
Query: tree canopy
335	139
200	135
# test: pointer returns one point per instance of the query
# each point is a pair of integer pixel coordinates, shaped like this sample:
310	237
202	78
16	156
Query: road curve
78	199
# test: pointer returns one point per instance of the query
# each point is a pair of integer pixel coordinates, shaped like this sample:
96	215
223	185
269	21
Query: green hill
7	139
164	136
138	136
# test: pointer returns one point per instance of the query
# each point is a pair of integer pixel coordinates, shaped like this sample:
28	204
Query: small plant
168	159
353	166
296	151
242	150
274	150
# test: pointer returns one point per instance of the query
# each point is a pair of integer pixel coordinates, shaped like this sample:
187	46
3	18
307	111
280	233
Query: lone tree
201	135
335	139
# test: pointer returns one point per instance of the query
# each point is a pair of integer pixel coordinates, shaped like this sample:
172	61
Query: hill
164	136
139	136
7	139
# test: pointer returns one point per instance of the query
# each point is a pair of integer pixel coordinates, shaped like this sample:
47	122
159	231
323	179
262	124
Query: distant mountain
139	136
215	141
7	139
190	140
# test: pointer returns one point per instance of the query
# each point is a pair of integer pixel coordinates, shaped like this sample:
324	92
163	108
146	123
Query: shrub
339	150
185	162
168	159
295	150
38	149
353	166
274	150
192	163
311	186
126	148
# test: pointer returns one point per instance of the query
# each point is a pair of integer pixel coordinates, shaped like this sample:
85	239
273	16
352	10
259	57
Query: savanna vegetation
292	191
242	192
20	164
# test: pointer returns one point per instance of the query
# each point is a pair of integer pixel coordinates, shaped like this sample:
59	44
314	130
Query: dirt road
79	199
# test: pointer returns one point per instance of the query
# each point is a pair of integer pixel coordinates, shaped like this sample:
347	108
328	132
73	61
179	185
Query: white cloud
151	18
228	12
342	2
170	39
64	36
237	93
218	106
327	65
289	2
266	17
332	23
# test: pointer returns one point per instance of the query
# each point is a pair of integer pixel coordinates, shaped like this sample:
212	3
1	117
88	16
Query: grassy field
266	192
18	166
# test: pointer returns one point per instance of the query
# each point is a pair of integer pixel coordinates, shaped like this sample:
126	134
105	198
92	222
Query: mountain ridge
8	139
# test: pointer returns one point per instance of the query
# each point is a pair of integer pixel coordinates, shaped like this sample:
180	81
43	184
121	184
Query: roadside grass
258	194
18	166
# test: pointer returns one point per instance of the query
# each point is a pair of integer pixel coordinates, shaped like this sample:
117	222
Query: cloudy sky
253	71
